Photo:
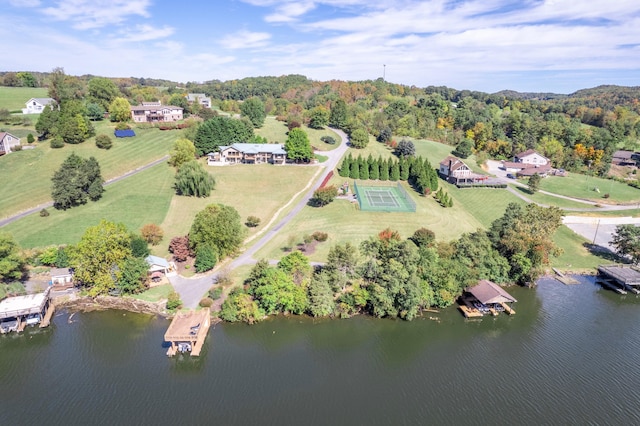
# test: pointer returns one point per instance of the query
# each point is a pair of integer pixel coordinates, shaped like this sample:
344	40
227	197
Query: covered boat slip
620	278
18	312
486	298
187	332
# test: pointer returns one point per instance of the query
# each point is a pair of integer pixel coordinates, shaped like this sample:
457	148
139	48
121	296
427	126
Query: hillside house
8	142
37	105
625	158
153	112
201	98
248	153
454	170
528	163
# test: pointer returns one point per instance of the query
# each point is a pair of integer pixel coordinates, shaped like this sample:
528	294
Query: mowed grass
344	222
582	186
135	201
252	189
27	174
484	204
550	200
576	256
15	98
276	131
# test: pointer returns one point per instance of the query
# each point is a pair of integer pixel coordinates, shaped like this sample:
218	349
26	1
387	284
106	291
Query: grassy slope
575	256
14	98
582	186
143	198
27	174
276	131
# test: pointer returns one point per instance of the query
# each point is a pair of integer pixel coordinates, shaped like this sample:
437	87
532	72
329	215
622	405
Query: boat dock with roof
188	331
19	311
620	278
485	298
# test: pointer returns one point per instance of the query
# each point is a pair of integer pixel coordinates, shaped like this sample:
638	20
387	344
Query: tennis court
384	198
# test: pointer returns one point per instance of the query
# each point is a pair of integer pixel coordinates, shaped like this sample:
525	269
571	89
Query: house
61	276
159	264
248	153
528	163
7	142
455	171
201	98
150	112
624	158
37	105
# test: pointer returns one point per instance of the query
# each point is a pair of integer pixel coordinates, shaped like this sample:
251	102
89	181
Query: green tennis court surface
384	198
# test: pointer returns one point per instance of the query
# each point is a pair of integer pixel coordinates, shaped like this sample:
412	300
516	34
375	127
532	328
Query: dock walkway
188	331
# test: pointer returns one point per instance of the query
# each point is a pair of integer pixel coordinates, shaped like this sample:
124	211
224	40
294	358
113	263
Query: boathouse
187	332
620	278
484	298
19	311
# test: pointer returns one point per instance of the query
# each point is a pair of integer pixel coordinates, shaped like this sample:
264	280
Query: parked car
511	176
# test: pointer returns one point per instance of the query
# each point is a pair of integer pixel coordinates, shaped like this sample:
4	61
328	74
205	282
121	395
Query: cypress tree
374	170
364	170
355	170
405	168
394	174
345	168
384	170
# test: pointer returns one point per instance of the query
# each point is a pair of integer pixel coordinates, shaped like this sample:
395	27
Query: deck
47	317
620	278
188	331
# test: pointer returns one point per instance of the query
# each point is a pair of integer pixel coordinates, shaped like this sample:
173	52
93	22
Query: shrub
30	138
152	233
104	142
122	126
206	258
206	302
224	278
173	301
57	142
328	139
252	221
307	239
323	196
320	236
607	195
179	247
293	124
215	293
44	213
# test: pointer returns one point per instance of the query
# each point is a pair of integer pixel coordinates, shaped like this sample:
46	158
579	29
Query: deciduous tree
193	180
626	240
298	146
218	226
183	151
359	138
120	110
253	109
76	181
152	233
12	263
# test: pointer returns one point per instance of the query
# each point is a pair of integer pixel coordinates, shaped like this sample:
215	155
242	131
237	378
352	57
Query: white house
7	142
37	105
159	264
248	153
201	98
531	157
61	276
150	112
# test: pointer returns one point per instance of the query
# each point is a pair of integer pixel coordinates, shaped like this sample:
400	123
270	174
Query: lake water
571	355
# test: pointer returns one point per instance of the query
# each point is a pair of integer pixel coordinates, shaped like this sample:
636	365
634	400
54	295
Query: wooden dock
620	278
47	317
508	309
470	312
188	331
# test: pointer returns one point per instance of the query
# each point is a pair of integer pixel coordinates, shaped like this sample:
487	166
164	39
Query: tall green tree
253	109
298	146
76	181
133	275
626	241
218	226
364	169
338	117
534	183
193	180
374	170
384	170
319	117
48	121
120	110
102	91
359	138
183	151
221	130
99	256
345	167
13	266
320	295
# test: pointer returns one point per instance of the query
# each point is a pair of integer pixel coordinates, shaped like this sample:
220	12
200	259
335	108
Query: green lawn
550	200
14	98
576	256
276	131
485	204
27	173
154	294
582	186
135	201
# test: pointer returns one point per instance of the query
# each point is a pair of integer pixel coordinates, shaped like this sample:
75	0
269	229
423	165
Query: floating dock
620	278
188	331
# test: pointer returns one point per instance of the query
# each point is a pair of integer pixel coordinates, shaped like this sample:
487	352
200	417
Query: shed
61	276
127	133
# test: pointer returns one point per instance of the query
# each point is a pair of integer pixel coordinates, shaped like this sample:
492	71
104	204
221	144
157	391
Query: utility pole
384	71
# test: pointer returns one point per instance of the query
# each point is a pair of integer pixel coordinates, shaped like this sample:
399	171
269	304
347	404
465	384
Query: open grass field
135	201
254	190
276	131
27	173
154	294
484	204
576	256
550	200
14	98
582	186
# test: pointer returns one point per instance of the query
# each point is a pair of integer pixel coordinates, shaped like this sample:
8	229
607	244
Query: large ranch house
153	112
248	153
528	163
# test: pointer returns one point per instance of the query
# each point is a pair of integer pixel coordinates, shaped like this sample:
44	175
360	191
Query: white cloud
143	32
245	40
289	12
87	14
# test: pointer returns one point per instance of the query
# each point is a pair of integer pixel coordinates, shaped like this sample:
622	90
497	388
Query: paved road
191	290
33	210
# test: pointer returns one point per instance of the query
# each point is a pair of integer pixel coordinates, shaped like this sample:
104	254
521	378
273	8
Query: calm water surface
571	355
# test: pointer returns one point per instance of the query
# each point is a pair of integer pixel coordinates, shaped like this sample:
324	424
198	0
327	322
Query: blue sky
489	45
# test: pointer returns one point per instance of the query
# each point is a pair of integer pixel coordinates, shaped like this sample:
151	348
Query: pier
620	278
485	298
188	331
16	313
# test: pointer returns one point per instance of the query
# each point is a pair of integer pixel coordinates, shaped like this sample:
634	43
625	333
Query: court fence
402	200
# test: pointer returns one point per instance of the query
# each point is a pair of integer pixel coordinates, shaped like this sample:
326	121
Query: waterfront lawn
576	255
276	131
154	294
485	204
27	173
252	189
140	199
15	98
582	186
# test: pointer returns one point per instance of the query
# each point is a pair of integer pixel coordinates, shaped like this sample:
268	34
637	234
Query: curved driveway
191	290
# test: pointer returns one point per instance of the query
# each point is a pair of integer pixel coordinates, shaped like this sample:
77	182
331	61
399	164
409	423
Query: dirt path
191	290
36	209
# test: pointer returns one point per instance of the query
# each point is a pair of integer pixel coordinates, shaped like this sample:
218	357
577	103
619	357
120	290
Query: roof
42	101
193	96
530	171
153	108
528	153
456	163
23	305
3	134
155	260
255	148
489	292
59	272
126	133
623	155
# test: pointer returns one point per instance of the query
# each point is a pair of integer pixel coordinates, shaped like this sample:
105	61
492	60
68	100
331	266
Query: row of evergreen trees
416	170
